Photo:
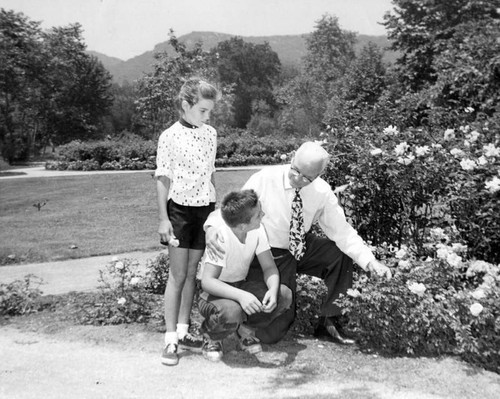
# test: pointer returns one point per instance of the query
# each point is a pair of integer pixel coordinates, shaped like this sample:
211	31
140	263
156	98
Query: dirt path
39	360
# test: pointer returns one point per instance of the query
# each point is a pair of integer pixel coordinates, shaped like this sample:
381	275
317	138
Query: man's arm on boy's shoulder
212	285
271	278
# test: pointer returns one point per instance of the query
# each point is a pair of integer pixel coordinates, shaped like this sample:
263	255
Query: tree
358	90
123	108
51	90
252	69
76	88
21	63
158	90
330	53
449	56
330	50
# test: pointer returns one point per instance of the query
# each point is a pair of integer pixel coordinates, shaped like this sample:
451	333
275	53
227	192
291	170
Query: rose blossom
493	185
417	288
476	308
401	148
353	293
467	164
478	294
119	265
491	151
422	151
122	301
391	130
449	134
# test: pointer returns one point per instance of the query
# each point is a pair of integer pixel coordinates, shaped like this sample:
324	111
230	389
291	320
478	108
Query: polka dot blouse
187	157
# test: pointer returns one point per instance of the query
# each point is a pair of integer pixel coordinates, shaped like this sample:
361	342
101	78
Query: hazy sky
126	28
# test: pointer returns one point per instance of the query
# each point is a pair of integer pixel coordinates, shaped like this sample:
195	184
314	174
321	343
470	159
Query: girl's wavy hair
196	89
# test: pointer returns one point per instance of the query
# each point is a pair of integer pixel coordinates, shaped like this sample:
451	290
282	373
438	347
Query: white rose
491	151
121	301
476	309
449	134
401	253
174	242
454	260
417	288
376	151
134	280
353	293
406	160
482	160
391	130
422	151
401	148
119	265
493	185
478	294
467	164
456	152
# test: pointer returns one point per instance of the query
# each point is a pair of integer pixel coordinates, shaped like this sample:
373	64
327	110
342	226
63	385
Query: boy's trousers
223	316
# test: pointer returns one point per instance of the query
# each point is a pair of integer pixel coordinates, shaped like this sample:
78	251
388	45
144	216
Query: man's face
303	172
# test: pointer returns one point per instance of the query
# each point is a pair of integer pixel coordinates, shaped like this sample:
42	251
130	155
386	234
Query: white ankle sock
182	330
171	338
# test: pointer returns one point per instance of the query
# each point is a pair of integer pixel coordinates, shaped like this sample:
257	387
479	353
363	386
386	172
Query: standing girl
186	195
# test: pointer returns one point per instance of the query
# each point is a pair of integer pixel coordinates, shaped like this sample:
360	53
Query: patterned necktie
297	239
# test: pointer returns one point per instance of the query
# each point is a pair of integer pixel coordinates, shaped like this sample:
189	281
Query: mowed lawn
98	214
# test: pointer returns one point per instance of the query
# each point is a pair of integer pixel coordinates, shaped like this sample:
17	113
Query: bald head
312	157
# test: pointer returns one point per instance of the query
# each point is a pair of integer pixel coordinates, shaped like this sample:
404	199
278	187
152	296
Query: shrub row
235	149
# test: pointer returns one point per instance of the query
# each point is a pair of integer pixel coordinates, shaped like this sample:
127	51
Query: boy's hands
249	303
269	302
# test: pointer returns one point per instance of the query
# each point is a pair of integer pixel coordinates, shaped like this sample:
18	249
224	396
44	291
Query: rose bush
399	184
441	304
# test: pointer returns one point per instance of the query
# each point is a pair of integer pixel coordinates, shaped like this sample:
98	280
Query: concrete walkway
70	275
40	171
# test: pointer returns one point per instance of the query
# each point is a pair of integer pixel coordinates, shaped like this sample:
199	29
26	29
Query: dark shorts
187	222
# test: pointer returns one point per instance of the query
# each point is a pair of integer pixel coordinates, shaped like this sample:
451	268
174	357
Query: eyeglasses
298	174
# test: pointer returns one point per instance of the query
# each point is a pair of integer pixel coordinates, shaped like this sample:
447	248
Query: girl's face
199	113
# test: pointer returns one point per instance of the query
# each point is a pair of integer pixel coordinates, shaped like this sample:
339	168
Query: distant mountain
290	50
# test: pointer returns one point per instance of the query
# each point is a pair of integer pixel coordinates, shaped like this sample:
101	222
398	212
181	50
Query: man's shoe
191	342
212	350
330	330
250	345
169	356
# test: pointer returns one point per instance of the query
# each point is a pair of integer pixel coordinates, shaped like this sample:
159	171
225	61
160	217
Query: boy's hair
237	207
195	89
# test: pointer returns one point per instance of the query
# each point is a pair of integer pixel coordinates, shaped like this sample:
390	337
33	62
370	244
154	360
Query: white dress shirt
187	157
320	204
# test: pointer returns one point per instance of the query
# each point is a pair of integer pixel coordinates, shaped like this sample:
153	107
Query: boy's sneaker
251	345
169	356
191	342
212	350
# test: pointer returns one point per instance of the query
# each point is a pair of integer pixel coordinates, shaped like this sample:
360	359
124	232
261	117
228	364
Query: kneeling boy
228	302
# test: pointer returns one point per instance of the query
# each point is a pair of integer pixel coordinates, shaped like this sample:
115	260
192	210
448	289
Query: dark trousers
322	259
223	316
